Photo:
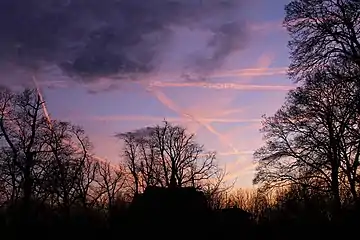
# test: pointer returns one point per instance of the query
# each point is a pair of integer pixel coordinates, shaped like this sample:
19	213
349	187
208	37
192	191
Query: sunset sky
221	102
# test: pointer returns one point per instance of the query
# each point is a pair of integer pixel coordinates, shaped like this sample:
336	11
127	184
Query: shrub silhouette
172	208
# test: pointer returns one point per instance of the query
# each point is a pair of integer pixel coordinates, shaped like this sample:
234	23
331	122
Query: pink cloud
252	72
266	26
240	153
233	86
261	69
239	173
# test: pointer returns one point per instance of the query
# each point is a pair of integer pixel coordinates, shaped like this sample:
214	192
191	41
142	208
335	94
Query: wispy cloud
267	26
261	71
171	105
231	111
241	163
234	174
170	119
235	153
233	86
241	166
105	83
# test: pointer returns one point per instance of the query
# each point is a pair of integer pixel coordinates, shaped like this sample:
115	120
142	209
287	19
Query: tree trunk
335	192
173	182
27	192
27	188
335	165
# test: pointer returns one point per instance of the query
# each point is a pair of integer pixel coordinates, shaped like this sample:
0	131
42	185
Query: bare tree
44	160
242	198
86	180
216	190
110	183
313	140
131	153
70	169
323	33
21	126
166	155
9	179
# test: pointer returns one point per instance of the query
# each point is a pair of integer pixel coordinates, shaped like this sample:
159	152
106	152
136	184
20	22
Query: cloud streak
142	118
159	80
233	86
235	153
171	105
246	72
236	173
261	71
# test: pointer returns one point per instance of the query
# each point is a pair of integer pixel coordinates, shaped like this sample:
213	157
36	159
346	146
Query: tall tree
40	159
110	184
22	121
313	140
323	33
130	152
167	155
69	168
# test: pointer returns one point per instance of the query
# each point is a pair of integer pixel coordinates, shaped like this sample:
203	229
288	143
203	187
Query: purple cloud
88	39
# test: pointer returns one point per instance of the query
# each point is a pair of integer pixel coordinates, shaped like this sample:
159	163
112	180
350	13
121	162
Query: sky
121	65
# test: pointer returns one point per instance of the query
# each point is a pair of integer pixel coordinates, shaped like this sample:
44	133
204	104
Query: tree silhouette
110	184
68	159
325	46
42	160
323	33
313	140
22	123
166	155
312	148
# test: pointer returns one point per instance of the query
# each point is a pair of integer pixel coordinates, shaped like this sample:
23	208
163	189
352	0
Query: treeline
51	180
53	161
313	140
50	177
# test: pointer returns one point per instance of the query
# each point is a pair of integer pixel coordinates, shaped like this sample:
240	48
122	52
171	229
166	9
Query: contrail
170	104
47	116
223	86
48	119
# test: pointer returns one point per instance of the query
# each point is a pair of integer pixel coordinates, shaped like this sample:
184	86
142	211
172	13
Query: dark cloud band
93	38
